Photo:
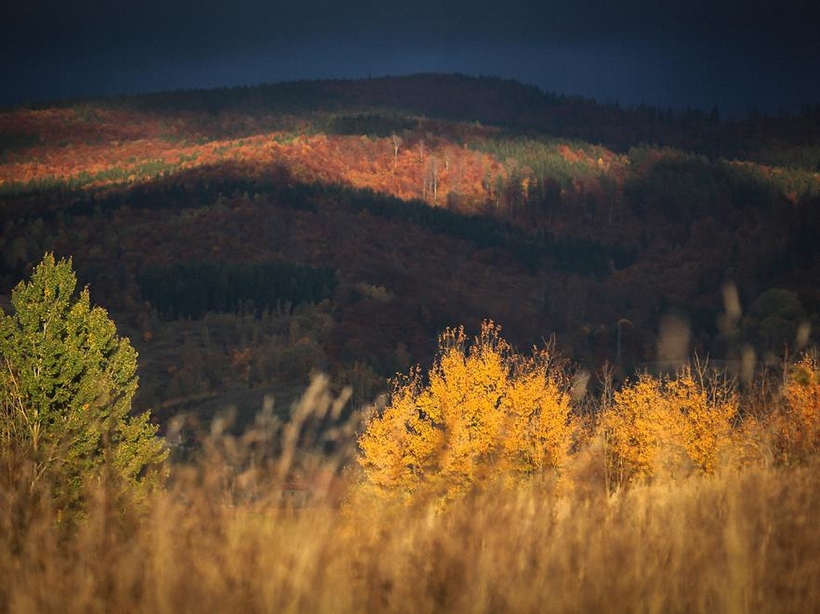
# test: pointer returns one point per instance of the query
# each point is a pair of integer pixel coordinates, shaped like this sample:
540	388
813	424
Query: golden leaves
668	427
796	427
484	411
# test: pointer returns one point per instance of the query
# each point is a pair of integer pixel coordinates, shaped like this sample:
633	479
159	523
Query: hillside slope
375	213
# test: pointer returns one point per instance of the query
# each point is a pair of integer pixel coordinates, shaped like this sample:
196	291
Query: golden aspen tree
483	411
661	427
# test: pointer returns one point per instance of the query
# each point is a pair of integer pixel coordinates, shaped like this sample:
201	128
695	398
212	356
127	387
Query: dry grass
735	543
219	540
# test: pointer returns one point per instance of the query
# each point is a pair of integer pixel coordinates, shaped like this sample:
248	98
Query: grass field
219	538
737	542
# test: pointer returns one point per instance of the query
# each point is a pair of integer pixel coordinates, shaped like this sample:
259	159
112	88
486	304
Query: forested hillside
246	237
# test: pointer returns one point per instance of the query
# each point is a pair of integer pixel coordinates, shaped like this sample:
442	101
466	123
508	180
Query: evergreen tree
66	386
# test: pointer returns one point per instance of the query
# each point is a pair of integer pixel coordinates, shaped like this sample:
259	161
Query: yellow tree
796	428
660	427
483	411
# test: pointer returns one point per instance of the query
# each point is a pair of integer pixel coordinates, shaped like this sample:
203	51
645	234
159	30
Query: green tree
774	319
66	386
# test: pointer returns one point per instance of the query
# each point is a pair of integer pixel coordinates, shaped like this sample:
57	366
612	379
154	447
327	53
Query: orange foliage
485	412
659	427
797	427
70	146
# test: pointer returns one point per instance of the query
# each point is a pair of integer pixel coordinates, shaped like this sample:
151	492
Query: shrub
796	428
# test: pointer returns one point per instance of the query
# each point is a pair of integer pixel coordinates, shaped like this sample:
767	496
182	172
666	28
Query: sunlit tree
662	427
796	427
483	411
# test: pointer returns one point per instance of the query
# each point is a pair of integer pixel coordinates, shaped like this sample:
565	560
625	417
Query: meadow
223	532
731	543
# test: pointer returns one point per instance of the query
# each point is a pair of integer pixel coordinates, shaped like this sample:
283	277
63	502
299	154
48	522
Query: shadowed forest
411	342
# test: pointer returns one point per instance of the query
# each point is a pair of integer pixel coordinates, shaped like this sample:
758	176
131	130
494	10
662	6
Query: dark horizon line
753	112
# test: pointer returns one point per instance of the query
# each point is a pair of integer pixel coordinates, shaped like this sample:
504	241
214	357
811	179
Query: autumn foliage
660	427
484	411
796	427
486	414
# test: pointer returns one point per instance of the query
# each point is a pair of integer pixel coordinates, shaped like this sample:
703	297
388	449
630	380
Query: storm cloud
727	52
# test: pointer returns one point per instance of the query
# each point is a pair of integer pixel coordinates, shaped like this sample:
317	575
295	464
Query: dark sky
734	53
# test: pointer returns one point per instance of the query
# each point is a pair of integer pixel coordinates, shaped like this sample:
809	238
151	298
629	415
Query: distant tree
774	319
397	141
66	385
431	179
